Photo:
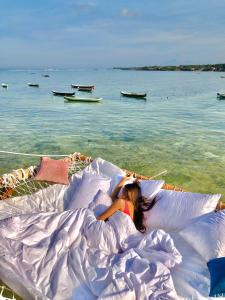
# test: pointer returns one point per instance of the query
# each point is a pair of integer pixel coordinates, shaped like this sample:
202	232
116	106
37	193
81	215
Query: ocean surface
179	128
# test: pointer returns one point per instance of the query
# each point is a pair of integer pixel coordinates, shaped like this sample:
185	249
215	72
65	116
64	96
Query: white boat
4	85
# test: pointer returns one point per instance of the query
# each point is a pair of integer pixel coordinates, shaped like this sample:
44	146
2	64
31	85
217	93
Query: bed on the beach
52	246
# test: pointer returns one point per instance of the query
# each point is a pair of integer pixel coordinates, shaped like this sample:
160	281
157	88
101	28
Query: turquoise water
180	128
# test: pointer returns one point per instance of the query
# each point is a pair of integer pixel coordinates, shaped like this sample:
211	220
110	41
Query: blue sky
97	33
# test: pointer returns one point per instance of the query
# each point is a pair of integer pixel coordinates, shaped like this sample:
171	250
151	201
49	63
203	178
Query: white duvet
71	255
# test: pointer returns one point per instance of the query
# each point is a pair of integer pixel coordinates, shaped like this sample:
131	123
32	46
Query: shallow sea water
180	127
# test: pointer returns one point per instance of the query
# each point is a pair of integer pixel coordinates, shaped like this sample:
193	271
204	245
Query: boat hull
76	86
81	99
55	93
133	95
33	84
221	96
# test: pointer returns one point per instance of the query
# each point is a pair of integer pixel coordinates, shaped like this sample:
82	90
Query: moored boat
133	95
4	85
82	99
221	96
85	89
76	86
33	84
56	93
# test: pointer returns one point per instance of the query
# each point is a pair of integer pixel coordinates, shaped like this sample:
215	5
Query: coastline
185	68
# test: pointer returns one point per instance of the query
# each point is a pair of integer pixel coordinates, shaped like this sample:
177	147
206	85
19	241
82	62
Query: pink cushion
53	170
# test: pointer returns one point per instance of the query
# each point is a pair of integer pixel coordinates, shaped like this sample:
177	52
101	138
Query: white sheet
191	277
70	255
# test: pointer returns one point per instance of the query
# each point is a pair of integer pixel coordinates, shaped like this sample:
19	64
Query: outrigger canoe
82	99
76	86
220	96
33	84
63	93
133	95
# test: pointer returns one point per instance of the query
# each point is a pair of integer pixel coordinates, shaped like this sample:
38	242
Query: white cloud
127	13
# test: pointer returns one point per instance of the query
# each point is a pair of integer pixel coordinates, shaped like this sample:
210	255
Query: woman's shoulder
120	202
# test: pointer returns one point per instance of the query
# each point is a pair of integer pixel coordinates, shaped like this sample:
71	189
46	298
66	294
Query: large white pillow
100	203
150	188
174	210
87	189
101	166
206	234
98	166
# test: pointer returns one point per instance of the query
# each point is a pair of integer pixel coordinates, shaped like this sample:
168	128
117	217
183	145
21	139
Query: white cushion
101	166
87	189
150	188
98	166
207	235
174	210
100	203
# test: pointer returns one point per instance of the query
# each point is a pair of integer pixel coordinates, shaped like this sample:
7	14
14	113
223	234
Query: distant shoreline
192	68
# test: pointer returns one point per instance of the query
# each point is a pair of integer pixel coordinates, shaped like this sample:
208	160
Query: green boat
82	99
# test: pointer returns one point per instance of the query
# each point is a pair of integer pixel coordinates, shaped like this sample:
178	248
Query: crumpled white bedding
71	255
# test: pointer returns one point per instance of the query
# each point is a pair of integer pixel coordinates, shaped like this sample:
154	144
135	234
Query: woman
129	202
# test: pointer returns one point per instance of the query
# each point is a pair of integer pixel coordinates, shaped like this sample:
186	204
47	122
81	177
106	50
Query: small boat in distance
76	86
45	75
223	76
33	84
82	99
85	89
63	93
221	96
133	95
5	85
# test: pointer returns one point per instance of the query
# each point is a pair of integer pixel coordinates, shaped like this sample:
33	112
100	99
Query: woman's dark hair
141	205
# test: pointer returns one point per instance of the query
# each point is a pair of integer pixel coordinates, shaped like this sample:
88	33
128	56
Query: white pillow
150	188
100	203
174	210
87	189
98	166
206	234
101	166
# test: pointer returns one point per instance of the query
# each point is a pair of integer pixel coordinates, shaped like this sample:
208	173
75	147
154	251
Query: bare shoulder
120	203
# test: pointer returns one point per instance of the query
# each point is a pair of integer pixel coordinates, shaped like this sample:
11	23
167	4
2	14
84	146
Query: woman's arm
118	187
117	205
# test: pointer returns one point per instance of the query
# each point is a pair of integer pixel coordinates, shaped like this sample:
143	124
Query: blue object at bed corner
217	277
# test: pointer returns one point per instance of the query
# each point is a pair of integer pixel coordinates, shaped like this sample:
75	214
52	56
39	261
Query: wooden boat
133	95
82	99
85	89
63	93
4	85
33	84
76	86
220	96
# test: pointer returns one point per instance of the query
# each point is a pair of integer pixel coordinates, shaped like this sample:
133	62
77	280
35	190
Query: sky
105	33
